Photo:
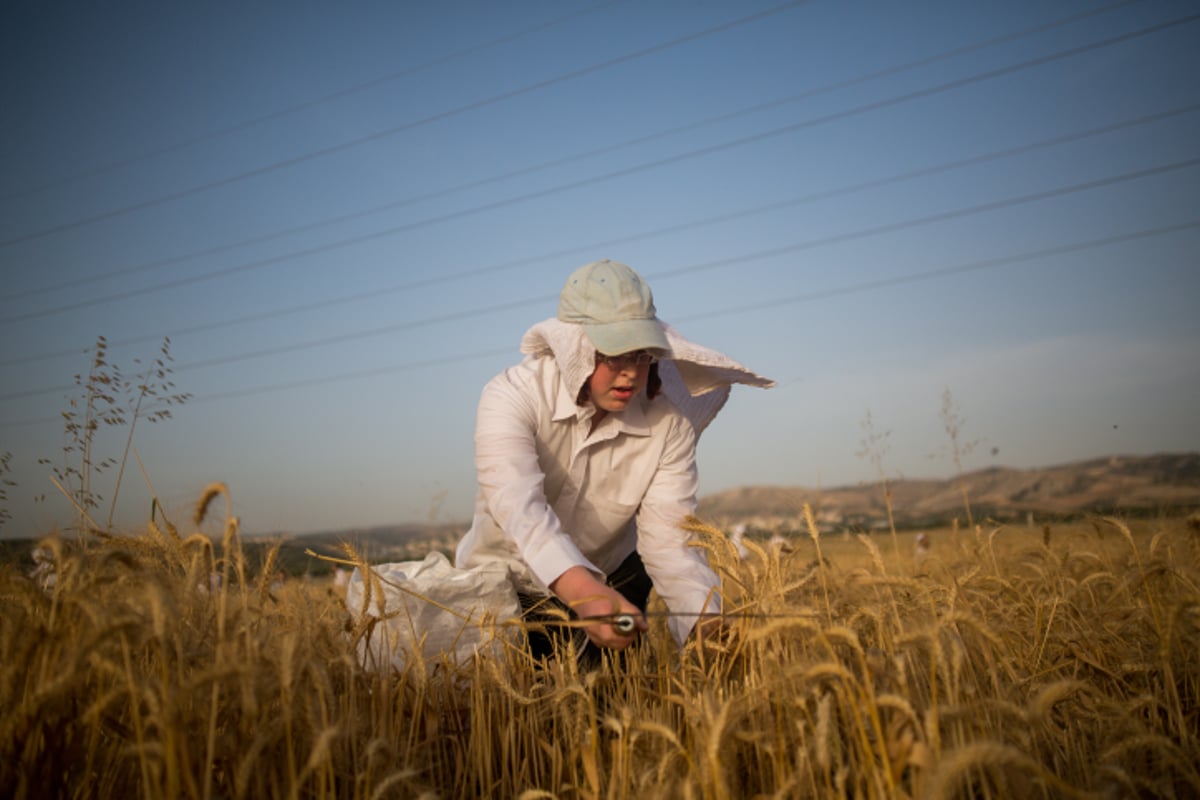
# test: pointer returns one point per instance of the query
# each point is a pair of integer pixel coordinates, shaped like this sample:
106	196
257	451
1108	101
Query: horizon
465	522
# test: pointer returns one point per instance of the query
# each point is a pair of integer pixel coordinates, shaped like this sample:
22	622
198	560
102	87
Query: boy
585	455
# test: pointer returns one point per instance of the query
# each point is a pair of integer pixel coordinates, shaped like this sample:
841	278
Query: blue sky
345	217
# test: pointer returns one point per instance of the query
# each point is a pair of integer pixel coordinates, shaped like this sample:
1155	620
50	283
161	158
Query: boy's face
618	379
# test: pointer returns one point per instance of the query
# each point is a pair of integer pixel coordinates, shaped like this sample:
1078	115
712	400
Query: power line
387	132
943	272
691	126
853	288
596	246
425	322
302	382
357	88
358	374
705	266
692	269
927	220
697	153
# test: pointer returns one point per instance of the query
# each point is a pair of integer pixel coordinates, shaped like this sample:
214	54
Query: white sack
462	612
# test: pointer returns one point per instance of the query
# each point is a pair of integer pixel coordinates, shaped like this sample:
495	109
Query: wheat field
1003	662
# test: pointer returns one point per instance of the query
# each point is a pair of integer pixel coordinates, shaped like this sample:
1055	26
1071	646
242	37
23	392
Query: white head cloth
694	378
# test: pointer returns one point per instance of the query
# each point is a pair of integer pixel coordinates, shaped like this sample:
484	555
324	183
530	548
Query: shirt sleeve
511	479
680	573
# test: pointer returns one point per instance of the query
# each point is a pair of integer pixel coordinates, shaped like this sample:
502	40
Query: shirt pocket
608	515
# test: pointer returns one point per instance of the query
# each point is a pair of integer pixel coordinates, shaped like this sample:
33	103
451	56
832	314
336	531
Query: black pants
630	579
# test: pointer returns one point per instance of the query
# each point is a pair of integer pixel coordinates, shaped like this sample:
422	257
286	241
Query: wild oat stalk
82	419
154	387
107	399
953	424
874	447
5	485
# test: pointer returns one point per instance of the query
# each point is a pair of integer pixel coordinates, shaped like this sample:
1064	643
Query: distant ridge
1122	485
1136	485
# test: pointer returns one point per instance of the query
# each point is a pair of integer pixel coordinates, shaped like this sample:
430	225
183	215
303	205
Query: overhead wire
623	172
687	270
710	265
708	221
928	219
392	131
575	157
346	91
854	288
714	263
943	272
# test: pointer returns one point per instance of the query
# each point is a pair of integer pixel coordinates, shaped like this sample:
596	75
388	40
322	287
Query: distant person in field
585	455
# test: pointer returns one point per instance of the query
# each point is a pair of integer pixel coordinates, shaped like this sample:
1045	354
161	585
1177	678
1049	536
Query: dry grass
1008	662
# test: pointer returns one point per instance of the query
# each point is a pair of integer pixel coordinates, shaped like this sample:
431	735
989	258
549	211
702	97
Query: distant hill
382	536
1131	485
1124	485
378	544
405	542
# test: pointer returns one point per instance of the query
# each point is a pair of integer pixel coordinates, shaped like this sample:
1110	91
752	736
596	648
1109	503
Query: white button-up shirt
554	494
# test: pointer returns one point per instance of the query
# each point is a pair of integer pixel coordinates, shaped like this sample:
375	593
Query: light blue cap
614	306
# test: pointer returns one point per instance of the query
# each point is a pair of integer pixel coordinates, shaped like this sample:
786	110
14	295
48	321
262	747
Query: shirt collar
564	403
632	420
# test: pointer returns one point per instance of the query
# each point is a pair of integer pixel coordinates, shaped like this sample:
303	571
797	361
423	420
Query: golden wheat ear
211	493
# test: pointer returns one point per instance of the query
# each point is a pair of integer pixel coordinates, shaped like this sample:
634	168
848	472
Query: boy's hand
588	597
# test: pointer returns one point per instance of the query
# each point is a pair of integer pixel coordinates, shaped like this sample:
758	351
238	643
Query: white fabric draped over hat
695	379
